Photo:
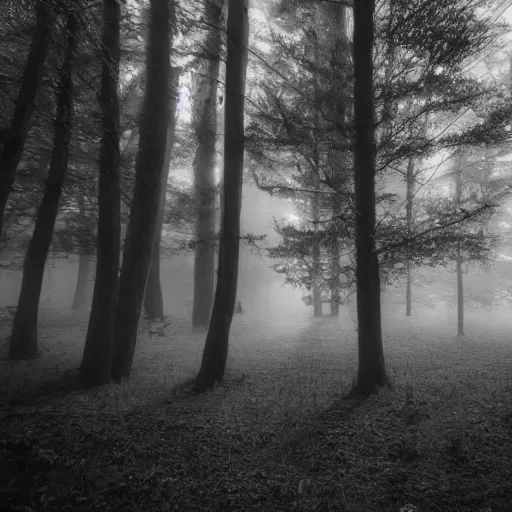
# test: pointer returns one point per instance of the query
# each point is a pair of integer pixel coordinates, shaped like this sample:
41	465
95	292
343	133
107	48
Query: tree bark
97	356
148	181
82	281
84	259
335	262
153	299
408	220
23	343
460	258
14	140
460	293
205	128
371	369
341	46
216	346
316	292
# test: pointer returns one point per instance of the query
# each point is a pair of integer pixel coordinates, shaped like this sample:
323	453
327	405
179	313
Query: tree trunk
148	182
485	191
97	356
316	291
460	294
341	47
84	258
23	343
82	281
14	140
216	346
371	369
205	128
335	264
408	219
153	300
460	282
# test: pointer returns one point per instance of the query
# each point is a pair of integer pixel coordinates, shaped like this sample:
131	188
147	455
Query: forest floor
277	435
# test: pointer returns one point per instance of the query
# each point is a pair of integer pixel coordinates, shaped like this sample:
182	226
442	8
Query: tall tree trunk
24	333
485	191
341	47
153	299
205	128
335	262
460	293
216	346
14	140
371	370
316	290
409	204
460	258
97	356
408	220
148	182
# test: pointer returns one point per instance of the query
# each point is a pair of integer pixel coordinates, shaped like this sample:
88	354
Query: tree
86	252
476	184
302	133
412	66
148	179
341	45
408	216
216	346
371	369
153	300
97	356
205	127
460	279
411	177
82	281
23	343
14	139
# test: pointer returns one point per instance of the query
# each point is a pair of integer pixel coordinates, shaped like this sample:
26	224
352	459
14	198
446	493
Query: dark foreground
277	435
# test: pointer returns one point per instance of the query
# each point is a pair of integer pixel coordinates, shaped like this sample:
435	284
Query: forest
256	255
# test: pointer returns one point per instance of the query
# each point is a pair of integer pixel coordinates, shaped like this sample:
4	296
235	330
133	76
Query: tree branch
407	240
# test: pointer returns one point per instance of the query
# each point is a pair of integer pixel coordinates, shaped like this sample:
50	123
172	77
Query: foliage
301	134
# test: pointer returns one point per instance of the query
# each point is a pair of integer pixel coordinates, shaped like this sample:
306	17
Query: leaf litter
276	435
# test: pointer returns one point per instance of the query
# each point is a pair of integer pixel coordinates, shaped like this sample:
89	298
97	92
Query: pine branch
408	240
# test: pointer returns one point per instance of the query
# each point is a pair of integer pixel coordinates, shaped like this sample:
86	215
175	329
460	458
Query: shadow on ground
277	435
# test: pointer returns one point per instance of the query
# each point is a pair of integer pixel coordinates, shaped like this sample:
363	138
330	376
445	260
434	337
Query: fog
262	291
266	299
